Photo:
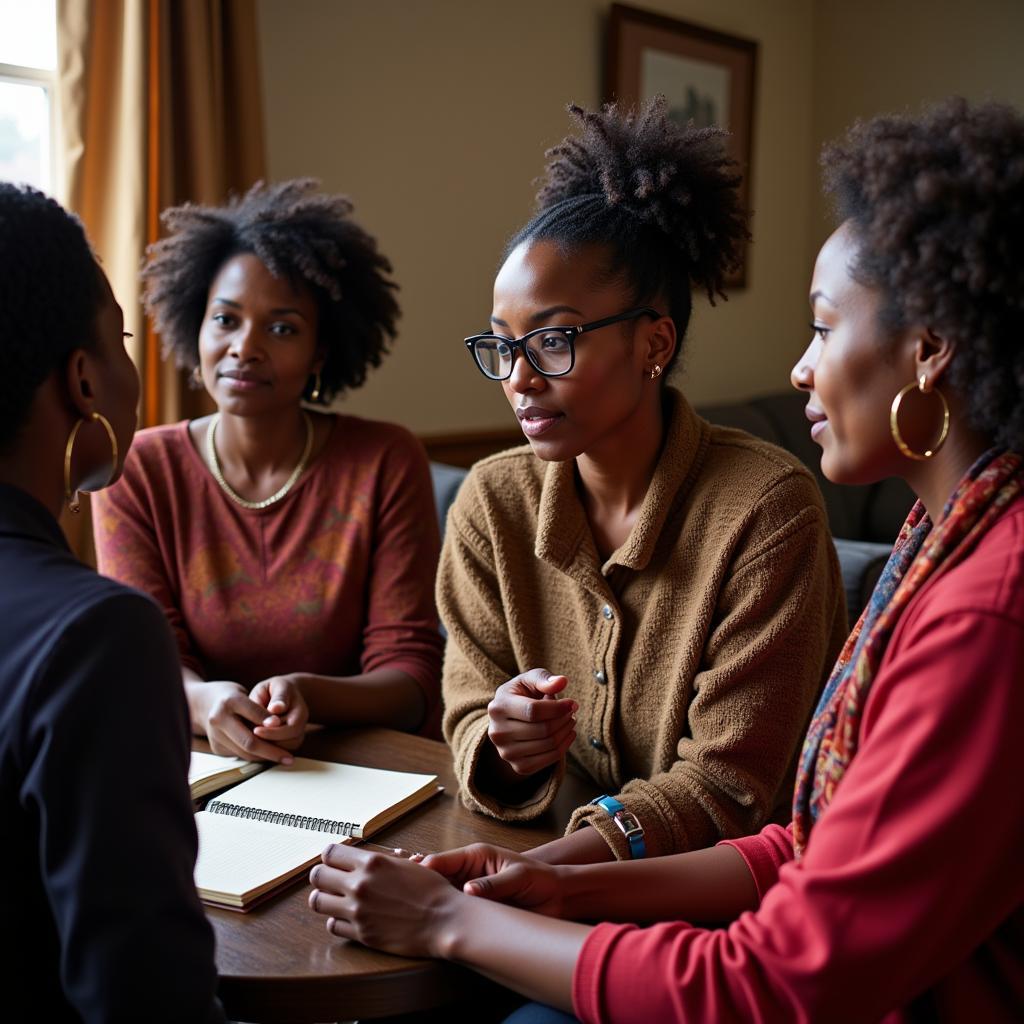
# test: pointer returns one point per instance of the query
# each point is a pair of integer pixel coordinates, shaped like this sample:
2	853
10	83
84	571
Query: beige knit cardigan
695	652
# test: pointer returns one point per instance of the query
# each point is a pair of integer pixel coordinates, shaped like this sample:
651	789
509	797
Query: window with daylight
28	70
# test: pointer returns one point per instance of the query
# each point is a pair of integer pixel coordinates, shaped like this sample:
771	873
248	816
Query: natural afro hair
51	292
937	205
662	199
296	233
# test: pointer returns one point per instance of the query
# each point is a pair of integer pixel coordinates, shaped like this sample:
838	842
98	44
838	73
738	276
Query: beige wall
875	56
434	116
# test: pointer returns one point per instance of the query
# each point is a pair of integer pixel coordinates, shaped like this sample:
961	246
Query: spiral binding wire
334	828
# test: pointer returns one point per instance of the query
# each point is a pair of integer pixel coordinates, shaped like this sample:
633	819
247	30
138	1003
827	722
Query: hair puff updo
661	199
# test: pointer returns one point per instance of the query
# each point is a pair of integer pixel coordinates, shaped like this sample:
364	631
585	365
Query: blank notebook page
237	856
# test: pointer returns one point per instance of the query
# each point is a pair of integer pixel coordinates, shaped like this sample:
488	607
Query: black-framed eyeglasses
551	351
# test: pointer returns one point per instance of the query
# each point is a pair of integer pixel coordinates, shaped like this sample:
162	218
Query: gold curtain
159	103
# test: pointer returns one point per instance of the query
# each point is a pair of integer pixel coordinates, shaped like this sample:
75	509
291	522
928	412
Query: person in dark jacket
99	843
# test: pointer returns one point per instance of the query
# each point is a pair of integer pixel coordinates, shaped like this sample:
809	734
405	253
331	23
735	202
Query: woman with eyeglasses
637	594
293	549
896	894
99	840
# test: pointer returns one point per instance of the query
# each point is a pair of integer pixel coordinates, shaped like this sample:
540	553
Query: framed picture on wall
706	76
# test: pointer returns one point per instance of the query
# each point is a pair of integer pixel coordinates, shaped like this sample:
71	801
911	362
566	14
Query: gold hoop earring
894	427
71	497
656	371
314	395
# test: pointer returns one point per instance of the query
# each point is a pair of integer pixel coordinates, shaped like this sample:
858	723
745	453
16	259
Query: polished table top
278	964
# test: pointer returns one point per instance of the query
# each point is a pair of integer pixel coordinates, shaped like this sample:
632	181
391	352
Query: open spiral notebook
258	836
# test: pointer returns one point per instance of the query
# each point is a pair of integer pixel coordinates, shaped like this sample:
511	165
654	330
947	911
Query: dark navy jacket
101	918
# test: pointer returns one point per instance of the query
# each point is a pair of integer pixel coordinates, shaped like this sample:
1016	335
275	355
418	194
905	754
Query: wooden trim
464	449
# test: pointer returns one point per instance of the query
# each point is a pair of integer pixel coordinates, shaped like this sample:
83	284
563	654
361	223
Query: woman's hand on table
529	726
286	715
383	901
228	716
501	875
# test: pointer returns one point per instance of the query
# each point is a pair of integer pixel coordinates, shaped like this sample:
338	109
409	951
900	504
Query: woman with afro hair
635	593
293	549
896	893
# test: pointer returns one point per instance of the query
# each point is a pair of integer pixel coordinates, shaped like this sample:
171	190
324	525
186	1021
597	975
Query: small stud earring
656	371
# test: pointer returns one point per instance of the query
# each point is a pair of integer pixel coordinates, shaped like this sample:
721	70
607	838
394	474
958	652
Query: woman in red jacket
896	892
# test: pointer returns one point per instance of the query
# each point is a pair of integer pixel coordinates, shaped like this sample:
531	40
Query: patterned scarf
919	554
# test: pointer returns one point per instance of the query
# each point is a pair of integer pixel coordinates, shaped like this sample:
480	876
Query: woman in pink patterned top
293	551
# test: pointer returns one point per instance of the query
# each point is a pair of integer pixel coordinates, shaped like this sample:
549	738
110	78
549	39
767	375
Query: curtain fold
160	103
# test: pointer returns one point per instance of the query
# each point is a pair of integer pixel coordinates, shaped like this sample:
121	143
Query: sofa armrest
446	480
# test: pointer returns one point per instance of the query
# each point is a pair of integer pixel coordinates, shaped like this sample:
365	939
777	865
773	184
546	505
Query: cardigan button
607	612
600	676
596	743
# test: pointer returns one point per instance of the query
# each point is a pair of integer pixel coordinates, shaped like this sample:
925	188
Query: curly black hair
50	298
937	205
660	198
297	233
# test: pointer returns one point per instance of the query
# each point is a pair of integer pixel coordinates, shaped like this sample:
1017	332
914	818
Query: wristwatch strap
627	824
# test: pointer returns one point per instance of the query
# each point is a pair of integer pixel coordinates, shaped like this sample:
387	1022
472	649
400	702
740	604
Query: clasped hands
262	725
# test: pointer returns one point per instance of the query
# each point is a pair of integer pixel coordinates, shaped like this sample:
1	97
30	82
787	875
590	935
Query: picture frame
706	75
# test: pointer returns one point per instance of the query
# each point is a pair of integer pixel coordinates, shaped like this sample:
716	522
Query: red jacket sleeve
914	866
764	854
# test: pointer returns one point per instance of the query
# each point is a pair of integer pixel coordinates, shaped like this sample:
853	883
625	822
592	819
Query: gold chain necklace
218	475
